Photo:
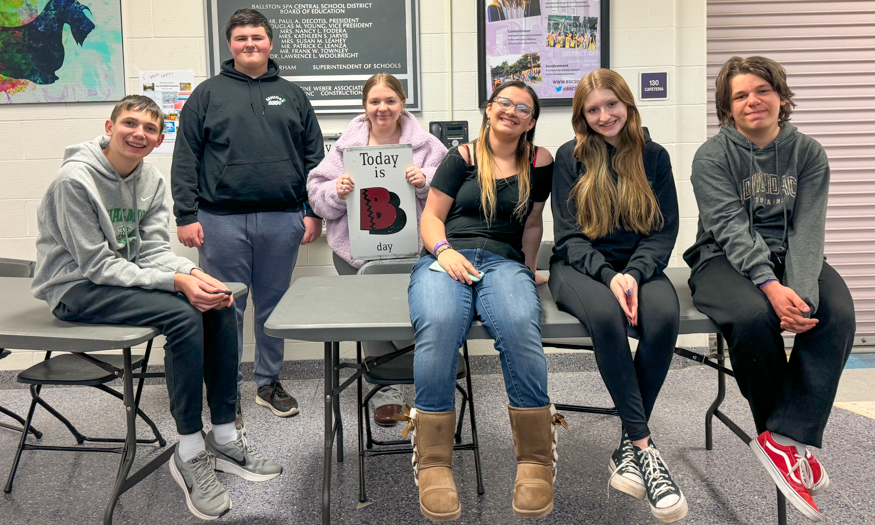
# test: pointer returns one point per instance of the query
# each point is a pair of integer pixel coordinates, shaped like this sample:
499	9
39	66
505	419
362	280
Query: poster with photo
170	90
548	44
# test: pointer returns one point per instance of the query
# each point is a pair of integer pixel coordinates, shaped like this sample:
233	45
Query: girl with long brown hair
481	229
615	219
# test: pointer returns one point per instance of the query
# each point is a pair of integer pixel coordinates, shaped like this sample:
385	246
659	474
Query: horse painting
35	51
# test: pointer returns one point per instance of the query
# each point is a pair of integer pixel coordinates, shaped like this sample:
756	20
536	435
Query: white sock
190	445
790	442
224	433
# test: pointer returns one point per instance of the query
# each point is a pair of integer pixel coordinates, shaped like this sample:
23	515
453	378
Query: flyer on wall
548	44
170	90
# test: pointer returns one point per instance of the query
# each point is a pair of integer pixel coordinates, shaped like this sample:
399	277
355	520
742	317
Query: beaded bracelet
442	249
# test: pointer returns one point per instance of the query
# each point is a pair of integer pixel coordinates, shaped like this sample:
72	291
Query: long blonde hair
602	204
486	160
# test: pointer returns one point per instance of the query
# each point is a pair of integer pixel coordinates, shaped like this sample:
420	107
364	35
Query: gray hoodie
755	202
96	226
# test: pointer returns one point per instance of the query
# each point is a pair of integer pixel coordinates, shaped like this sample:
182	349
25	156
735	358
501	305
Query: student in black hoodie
248	140
615	216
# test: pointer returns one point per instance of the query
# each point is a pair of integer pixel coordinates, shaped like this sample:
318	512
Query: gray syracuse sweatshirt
96	226
754	202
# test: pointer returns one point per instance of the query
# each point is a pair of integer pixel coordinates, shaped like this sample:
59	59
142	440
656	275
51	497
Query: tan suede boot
431	434
534	440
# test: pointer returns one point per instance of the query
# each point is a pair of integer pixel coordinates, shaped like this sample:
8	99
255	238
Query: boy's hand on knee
789	307
198	293
214	283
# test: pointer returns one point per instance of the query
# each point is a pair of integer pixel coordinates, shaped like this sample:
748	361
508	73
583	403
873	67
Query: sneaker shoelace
627	459
279	392
203	469
656	472
806	475
246	449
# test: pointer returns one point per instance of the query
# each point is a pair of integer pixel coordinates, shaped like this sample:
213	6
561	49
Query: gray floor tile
725	485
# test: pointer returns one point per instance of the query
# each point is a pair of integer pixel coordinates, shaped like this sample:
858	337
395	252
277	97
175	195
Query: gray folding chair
69	370
16	268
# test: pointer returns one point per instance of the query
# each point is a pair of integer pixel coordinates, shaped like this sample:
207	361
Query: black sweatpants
201	347
791	398
633	385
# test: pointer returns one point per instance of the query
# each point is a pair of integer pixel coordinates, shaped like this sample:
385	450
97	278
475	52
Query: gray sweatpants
260	251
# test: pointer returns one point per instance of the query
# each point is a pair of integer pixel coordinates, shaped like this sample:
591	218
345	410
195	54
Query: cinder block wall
646	35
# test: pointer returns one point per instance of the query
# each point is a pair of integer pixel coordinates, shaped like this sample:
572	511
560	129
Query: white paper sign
381	211
170	90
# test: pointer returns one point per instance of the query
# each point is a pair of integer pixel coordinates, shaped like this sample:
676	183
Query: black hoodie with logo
244	145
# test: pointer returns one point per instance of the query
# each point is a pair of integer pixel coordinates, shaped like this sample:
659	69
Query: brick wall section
646	35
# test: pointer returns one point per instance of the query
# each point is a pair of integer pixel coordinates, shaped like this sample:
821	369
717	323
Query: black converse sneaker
623	466
667	502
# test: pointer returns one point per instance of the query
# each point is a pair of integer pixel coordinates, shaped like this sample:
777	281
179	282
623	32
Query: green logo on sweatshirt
124	235
120	218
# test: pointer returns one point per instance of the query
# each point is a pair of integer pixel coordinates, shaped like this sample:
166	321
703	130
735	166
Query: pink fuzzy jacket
428	152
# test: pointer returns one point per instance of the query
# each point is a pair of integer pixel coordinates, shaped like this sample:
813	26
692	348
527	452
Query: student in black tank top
481	229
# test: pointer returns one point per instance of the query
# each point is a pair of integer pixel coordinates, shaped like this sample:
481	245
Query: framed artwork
548	44
61	51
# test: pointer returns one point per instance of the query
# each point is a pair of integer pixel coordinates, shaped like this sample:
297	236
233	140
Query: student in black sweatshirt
615	216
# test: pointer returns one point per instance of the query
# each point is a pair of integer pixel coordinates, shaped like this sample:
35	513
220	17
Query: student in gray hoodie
104	256
758	270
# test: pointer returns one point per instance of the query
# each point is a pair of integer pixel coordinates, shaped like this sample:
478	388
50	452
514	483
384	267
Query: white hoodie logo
274	100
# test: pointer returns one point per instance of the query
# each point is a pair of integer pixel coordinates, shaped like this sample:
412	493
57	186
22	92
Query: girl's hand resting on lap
628	301
457	266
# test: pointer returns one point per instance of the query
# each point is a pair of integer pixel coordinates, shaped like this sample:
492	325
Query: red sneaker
792	474
819	475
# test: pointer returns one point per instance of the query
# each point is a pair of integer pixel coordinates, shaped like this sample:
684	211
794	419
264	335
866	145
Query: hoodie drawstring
261	94
783	196
750	207
251	103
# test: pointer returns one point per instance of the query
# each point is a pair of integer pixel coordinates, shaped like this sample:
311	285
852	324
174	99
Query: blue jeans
442	310
260	251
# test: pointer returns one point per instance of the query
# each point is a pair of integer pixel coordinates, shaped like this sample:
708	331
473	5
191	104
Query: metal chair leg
8	488
359	410
36	433
476	442
335	378
721	394
461	390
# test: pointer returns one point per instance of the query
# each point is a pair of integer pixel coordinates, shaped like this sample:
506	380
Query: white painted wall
646	35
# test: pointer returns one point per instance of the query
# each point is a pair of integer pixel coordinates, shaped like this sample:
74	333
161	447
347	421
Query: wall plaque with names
330	48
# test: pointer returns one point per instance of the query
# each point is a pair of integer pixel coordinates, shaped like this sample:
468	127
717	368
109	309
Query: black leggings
633	385
791	398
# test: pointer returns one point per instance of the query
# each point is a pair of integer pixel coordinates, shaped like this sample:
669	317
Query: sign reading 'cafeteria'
330	49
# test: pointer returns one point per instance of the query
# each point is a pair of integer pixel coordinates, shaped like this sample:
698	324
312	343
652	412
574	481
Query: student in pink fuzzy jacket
384	122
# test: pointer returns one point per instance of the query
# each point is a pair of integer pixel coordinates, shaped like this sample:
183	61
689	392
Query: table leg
721	394
130	450
329	435
782	508
335	383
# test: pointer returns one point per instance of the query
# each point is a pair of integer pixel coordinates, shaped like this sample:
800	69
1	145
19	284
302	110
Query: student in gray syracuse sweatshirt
758	270
103	256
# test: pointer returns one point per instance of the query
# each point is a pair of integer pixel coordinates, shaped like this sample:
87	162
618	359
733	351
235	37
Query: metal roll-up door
828	50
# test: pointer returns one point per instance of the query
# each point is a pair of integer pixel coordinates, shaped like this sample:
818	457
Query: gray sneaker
239	457
205	496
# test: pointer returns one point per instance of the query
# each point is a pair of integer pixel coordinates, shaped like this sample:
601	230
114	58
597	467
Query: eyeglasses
522	110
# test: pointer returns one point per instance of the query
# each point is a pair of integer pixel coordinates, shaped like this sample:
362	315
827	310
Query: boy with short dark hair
248	138
758	269
104	256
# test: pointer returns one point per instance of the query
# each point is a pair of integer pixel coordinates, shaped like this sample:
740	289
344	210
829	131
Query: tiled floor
725	485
